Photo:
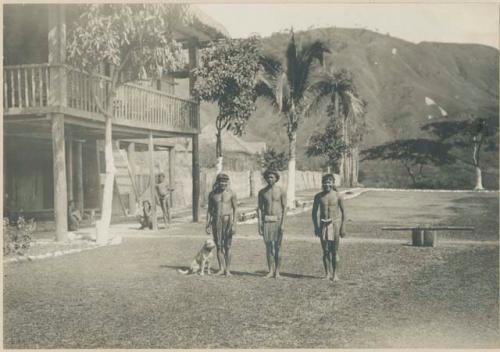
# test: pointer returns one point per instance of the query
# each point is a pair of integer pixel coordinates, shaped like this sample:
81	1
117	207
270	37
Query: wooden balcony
38	89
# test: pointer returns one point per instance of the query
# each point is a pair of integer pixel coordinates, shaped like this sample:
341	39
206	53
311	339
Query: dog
202	260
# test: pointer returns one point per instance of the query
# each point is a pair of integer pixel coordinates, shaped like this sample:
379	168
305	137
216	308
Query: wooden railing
26	86
29	86
83	90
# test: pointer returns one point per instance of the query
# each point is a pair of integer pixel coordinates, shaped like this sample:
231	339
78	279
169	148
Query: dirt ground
390	294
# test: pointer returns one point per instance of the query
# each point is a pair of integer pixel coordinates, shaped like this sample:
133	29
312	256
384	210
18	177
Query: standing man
222	215
271	213
329	227
162	191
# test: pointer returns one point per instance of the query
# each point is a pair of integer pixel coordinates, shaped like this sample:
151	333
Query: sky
457	23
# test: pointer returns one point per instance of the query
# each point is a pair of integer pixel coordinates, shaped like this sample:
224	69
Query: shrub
17	236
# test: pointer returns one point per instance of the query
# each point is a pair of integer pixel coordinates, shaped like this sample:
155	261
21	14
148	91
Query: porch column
79	175
152	181
57	55
193	62
99	167
196	178
69	164
171	172
60	191
132	199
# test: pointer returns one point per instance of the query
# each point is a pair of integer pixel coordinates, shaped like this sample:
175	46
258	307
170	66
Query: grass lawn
390	294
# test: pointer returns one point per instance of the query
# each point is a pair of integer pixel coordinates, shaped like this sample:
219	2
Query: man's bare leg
220	259
334	260
164	212
326	260
277	259
227	259
270	259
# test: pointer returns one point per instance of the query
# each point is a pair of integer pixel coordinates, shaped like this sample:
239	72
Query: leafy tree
476	135
275	160
137	42
227	76
328	145
345	106
286	86
413	154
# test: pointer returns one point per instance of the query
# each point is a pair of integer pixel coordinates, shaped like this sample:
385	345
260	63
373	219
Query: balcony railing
28	87
25	86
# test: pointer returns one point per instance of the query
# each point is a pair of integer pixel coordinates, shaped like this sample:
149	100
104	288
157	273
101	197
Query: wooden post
196	178
251	183
132	199
57	55
69	165
152	181
79	176
99	167
429	238
417	237
193	62
171	173
60	190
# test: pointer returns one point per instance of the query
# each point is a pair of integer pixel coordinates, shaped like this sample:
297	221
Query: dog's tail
183	272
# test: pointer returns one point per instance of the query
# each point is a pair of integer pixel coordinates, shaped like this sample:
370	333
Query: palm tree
345	105
285	85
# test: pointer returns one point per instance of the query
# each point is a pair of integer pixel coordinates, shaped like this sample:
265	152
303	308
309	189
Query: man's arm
234	204
260	220
315	215
208	229
342	212
283	209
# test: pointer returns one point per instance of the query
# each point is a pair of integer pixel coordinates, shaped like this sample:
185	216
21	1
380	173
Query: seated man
146	217
74	217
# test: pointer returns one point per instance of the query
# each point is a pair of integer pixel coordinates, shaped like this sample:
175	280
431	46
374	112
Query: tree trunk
413	179
218	152
292	137
107	197
479	180
345	154
475	159
356	167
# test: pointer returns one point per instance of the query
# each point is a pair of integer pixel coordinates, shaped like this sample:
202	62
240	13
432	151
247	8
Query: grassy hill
406	85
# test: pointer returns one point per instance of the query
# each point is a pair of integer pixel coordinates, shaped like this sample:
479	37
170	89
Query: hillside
406	85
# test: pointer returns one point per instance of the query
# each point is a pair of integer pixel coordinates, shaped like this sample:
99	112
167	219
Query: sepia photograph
250	175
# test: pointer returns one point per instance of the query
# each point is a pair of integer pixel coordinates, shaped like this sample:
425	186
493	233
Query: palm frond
315	95
357	105
304	65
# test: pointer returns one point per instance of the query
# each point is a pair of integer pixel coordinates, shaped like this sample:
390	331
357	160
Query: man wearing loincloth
271	213
329	227
222	215
163	192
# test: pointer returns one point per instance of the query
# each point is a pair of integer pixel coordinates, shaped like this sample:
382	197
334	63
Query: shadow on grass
259	273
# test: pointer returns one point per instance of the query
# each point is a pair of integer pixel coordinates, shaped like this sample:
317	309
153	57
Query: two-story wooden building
52	127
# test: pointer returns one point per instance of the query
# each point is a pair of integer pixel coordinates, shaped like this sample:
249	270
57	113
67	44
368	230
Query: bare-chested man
222	215
271	213
163	192
329	227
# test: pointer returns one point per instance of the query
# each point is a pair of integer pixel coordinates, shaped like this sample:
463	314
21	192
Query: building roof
202	27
